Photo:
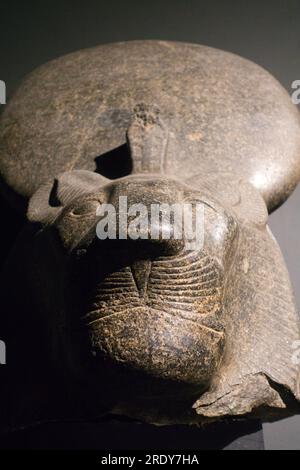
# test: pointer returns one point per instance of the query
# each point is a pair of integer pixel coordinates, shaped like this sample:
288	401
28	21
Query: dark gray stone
158	334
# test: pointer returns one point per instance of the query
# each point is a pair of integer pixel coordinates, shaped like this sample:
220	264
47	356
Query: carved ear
237	194
49	200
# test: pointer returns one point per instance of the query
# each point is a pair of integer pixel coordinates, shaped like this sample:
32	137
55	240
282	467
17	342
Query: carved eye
88	208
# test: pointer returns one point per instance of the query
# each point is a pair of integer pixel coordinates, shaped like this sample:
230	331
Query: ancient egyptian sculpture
144	328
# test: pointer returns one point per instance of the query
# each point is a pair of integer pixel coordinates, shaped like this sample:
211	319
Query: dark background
267	32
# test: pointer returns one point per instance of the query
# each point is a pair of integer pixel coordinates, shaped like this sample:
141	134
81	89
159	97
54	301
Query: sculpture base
119	435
